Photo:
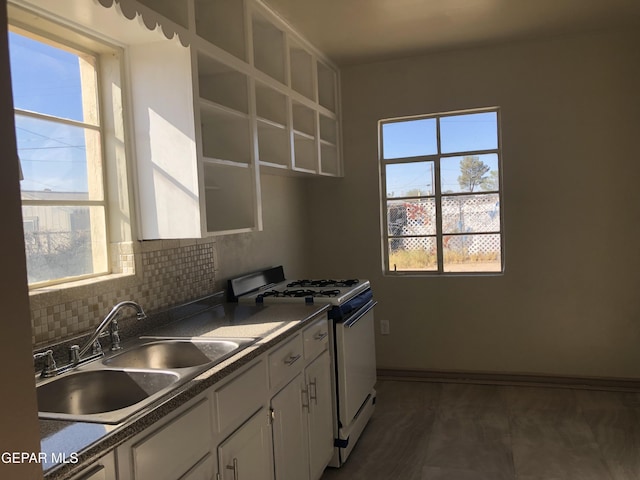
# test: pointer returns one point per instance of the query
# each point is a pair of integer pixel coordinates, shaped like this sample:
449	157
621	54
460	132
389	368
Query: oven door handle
360	313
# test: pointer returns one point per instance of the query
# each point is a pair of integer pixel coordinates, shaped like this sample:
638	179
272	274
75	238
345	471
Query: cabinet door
318	379
290	407
103	469
171	451
246	454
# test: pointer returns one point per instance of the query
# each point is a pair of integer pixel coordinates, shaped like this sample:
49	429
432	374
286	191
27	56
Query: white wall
18	411
568	302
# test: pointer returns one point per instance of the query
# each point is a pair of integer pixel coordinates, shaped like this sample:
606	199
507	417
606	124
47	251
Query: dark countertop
86	442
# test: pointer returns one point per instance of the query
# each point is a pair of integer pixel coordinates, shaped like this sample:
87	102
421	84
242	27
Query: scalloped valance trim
150	19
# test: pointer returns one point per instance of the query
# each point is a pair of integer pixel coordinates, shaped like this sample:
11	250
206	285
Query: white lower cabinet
302	417
246	453
178	449
320	417
270	420
103	469
203	470
289	410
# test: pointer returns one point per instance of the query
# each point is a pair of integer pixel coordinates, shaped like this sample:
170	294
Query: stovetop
334	292
301	292
324	283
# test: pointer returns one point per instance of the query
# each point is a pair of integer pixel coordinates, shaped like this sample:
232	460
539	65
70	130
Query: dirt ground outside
473	267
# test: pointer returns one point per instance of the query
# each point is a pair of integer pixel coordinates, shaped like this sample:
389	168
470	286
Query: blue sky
412	138
46	80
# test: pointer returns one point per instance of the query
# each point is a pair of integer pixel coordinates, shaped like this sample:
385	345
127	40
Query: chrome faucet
111	320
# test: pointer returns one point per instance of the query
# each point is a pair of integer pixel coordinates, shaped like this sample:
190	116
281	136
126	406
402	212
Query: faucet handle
115	335
74	354
49	369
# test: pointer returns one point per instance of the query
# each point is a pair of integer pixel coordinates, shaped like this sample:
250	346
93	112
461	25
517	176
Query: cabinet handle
292	359
313	396
234	467
320	336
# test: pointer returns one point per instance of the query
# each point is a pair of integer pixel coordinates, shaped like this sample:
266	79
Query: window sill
82	288
416	274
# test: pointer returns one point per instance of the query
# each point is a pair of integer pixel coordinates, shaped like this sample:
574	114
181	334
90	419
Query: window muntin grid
60	146
441	202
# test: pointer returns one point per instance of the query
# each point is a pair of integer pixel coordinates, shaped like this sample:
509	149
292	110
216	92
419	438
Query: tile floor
448	431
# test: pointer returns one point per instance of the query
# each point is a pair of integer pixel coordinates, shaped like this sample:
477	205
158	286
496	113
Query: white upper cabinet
222	24
165	140
221	90
327	86
302	73
268	47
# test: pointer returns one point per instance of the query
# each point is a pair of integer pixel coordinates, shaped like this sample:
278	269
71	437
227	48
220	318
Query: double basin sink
111	389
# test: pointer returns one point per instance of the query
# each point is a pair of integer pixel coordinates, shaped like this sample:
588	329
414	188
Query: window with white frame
440	186
60	146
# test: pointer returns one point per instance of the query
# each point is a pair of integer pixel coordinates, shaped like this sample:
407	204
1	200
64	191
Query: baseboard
490	378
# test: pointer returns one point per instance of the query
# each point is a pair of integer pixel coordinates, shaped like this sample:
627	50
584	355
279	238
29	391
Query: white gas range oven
352	341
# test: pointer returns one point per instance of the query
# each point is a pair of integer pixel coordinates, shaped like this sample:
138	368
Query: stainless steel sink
115	388
178	353
103	395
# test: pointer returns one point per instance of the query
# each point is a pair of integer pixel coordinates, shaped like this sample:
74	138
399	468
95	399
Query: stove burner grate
300	292
323	283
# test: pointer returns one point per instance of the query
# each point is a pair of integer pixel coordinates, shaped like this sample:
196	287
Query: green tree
473	173
491	183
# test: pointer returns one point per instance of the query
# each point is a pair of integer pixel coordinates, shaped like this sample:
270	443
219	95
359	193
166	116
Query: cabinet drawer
247	454
102	469
316	338
242	396
286	361
174	449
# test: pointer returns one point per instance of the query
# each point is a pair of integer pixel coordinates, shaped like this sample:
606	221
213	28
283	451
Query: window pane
472	253
412	253
471	213
58	158
64	241
46	79
411	217
470	173
410	138
470	132
409	179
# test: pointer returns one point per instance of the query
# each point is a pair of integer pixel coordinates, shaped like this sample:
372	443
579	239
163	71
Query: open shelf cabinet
302	73
268	47
249	93
230	197
221	23
329	146
327	86
222	84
